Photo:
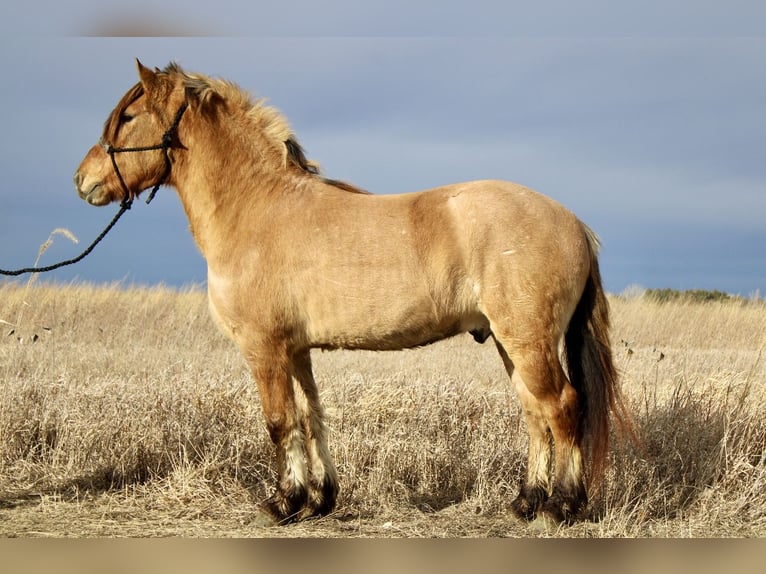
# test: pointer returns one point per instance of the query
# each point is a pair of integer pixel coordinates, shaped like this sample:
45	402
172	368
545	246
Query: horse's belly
360	322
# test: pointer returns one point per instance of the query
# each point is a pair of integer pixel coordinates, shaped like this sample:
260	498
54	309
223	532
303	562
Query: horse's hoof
523	510
273	508
321	500
563	511
528	502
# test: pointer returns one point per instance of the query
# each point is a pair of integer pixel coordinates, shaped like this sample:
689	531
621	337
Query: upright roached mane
297	261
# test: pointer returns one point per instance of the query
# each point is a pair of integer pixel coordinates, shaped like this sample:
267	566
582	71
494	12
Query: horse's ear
148	78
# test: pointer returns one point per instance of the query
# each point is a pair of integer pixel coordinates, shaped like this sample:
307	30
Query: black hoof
321	500
564	510
285	508
528	502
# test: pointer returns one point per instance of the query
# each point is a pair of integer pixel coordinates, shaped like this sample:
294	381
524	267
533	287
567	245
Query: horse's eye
125	118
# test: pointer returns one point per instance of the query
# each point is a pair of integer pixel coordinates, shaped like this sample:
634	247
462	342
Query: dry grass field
123	412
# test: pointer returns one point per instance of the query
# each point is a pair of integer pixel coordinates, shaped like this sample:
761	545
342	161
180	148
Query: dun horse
297	262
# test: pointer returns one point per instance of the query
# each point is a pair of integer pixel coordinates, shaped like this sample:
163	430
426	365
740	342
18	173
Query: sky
649	122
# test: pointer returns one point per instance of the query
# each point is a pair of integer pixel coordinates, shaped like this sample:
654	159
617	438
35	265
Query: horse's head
134	152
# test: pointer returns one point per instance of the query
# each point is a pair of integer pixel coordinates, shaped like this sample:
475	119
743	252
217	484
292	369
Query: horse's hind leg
534	489
323	479
559	404
550	402
270	364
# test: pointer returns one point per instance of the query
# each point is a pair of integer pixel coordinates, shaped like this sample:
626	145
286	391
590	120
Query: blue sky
656	139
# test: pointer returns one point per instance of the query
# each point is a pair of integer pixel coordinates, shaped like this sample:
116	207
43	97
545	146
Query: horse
297	261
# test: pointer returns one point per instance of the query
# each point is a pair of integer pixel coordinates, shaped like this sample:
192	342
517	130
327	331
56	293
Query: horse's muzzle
90	193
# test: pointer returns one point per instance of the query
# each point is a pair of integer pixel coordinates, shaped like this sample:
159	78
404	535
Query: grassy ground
123	412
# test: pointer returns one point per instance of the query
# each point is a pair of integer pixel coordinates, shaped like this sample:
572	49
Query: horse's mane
266	119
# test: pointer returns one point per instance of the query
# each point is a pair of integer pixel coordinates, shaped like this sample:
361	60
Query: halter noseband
165	145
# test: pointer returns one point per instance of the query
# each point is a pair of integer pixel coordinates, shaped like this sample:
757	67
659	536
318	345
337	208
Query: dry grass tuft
130	415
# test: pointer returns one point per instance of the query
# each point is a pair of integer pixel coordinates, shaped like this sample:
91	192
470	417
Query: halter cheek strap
168	139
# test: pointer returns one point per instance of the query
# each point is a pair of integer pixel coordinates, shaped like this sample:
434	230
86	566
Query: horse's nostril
77	179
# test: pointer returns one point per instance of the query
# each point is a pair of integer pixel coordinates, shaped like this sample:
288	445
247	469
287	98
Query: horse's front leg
323	478
270	365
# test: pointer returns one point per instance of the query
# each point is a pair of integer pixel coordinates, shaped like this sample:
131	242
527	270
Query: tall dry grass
124	412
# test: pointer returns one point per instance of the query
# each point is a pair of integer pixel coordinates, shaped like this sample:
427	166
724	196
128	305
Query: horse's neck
223	188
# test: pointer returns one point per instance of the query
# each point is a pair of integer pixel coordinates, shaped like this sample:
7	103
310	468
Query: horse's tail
591	368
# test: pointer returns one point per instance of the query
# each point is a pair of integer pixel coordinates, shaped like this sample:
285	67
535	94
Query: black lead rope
124	206
127	202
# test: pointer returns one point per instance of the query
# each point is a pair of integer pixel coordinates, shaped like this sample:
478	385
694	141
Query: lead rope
127	202
124	206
